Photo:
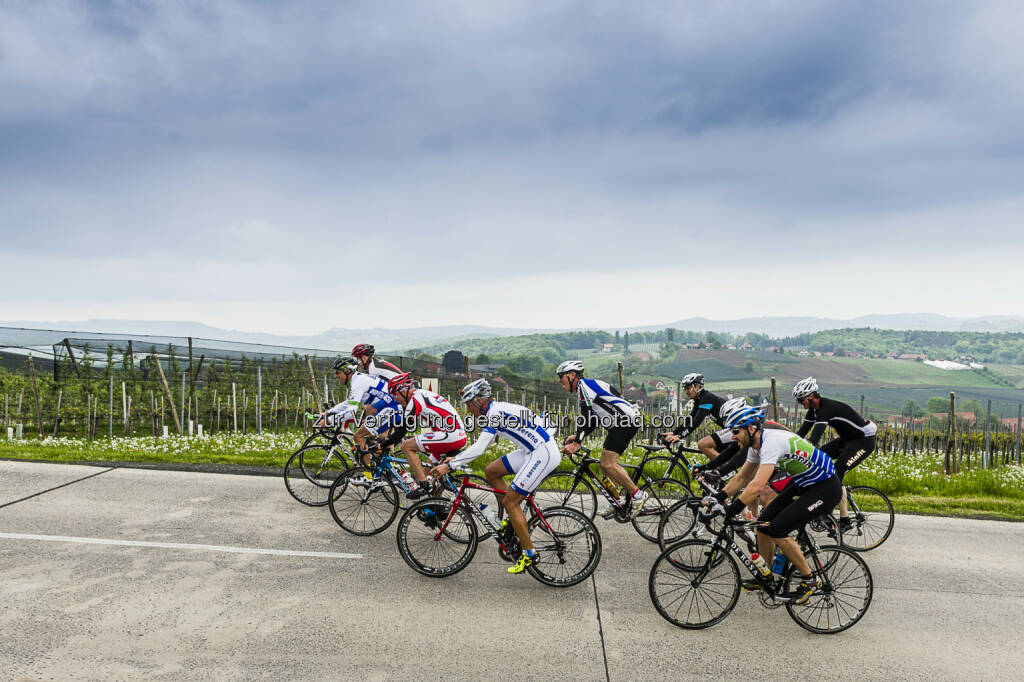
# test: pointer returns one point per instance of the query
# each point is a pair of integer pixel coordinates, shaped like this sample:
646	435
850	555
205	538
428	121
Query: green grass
909	372
972	507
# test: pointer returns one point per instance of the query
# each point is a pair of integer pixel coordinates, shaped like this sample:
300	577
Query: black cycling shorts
796	506
848	453
618	438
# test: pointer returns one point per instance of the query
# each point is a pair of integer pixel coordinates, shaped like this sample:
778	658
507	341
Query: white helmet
693	378
476	389
730	406
569	366
805	387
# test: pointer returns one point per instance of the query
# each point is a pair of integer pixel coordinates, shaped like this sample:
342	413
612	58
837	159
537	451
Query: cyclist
369	393
446	432
363	352
855	435
536	457
602	404
716	447
812	491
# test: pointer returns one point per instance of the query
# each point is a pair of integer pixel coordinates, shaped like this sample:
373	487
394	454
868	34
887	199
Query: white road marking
177	545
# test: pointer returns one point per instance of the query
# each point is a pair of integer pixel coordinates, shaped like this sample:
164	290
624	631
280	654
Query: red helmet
362	349
400	382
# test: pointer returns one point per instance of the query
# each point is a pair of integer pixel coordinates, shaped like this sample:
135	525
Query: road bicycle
322	457
577	489
695	583
364	500
438	537
871	518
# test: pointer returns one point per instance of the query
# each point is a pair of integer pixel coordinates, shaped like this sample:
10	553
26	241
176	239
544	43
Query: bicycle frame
461	498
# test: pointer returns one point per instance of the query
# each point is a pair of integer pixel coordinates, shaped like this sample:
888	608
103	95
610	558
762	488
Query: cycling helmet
569	366
400	382
362	349
475	389
730	406
693	378
342	364
805	387
745	416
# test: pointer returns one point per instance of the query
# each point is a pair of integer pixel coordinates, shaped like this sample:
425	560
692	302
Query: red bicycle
437	538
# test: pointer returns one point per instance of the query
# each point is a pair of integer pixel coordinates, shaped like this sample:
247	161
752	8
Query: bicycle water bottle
492	518
613	489
760	563
779	564
409	480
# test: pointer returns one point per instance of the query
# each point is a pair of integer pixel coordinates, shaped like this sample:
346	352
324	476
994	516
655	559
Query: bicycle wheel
661	467
662	494
825	531
563	489
844	591
872	518
568	546
431	552
361	504
693	585
678	521
309	473
478	497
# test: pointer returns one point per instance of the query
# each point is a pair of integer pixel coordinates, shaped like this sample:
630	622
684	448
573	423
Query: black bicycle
695	583
577	489
871	518
322	458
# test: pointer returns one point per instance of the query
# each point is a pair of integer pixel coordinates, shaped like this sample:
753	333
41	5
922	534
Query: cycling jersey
434	411
706	403
536	456
383	368
844	419
363	390
794	455
602	405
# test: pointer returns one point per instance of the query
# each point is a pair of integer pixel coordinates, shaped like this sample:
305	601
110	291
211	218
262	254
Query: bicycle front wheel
678	521
568	546
871	518
662	493
564	489
361	504
309	473
844	591
427	549
693	585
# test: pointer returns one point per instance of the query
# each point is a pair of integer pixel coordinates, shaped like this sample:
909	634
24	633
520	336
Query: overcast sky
294	166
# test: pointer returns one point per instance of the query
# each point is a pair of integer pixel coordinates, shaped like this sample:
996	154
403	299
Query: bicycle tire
569	552
307	478
844	593
825	530
662	494
433	554
677	522
673	590
677	471
562	489
361	504
872	518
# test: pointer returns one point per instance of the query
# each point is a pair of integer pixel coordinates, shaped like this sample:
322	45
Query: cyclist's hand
668	438
441	469
571	448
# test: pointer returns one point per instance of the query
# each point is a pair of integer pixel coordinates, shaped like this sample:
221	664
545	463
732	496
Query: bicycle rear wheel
478	497
844	591
361	504
309	473
562	489
677	522
429	551
872	518
662	494
693	585
568	546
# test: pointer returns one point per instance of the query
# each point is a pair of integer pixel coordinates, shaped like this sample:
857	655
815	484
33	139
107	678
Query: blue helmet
750	416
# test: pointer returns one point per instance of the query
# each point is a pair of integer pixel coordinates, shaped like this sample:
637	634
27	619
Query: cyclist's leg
711	445
615	443
360	436
530	471
765	542
411	452
813	501
853	453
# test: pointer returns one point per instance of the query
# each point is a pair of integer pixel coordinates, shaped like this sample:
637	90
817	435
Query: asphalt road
140	574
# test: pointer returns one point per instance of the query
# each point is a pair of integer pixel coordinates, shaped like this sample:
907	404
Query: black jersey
844	419
706	403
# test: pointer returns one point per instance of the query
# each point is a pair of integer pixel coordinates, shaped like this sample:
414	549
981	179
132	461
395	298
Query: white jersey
509	421
383	369
363	390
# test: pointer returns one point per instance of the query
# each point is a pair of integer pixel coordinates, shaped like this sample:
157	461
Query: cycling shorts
441	442
848	453
721	438
796	506
531	466
618	438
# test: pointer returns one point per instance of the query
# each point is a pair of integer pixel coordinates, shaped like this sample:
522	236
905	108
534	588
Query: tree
937	404
748	366
483	359
454	362
971	406
910	408
670	334
617	338
625	341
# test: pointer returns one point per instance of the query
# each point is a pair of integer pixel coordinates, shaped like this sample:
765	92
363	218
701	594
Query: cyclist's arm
739	480
588	425
697	415
817	431
733	464
726	455
804	428
487	437
753	489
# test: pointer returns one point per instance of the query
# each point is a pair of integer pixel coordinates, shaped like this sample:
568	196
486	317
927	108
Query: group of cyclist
782	477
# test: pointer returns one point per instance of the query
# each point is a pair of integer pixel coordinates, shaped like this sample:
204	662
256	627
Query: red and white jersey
382	368
434	411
